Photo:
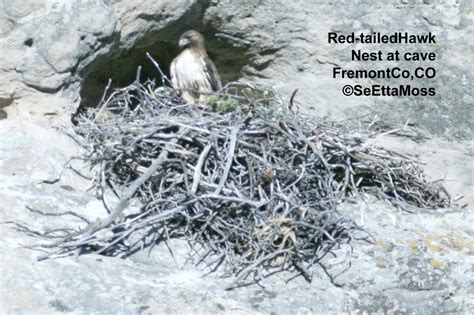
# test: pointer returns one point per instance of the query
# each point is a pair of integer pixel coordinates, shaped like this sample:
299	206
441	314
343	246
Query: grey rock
419	263
295	33
51	47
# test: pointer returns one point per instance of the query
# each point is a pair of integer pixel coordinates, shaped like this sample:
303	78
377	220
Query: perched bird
193	74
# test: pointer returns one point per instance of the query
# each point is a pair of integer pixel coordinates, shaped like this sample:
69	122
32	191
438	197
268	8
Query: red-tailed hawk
193	74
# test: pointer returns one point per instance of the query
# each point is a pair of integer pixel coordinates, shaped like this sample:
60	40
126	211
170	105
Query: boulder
290	50
57	53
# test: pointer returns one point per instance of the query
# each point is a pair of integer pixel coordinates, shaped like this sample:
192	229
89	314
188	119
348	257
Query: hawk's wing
212	74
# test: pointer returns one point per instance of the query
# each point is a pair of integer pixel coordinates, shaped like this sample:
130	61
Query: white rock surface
421	263
290	39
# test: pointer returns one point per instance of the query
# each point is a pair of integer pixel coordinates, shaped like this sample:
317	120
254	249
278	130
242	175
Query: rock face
47	45
292	50
56	52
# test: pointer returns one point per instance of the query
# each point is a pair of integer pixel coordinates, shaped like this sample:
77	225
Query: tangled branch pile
251	182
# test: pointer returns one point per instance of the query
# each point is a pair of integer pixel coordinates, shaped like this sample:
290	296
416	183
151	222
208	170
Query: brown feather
212	74
193	73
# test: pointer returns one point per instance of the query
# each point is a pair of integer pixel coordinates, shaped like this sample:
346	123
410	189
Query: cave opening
121	67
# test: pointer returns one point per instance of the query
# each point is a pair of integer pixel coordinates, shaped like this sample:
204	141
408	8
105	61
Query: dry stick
290	106
137	227
198	167
100	224
224	216
245	272
230	158
310	144
102	101
57	213
157	66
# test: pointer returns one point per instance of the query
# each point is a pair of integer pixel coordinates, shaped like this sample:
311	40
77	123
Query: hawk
193	74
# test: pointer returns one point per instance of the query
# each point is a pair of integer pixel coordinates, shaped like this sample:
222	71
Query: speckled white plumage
193	74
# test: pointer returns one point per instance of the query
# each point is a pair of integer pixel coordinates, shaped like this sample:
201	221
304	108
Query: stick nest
242	178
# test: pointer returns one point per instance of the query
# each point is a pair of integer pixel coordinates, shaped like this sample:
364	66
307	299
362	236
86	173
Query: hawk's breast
190	72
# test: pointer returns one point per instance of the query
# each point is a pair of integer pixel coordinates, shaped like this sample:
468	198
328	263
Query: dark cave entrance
121	67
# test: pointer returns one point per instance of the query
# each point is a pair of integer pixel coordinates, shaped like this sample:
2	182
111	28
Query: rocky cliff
56	56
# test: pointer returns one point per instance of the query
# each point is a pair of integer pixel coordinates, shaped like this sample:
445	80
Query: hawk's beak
183	42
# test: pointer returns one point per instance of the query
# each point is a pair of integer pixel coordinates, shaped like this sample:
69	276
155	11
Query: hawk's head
191	39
